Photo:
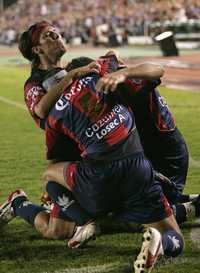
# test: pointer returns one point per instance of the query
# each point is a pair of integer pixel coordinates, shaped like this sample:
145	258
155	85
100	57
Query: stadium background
90	28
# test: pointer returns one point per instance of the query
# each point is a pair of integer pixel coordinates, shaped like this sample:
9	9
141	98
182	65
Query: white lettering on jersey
61	104
76	88
108	123
32	95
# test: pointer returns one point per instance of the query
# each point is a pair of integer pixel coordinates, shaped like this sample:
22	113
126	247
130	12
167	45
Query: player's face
52	44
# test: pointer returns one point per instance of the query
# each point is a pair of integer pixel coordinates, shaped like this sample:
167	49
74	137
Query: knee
174	243
56	233
180	247
46	176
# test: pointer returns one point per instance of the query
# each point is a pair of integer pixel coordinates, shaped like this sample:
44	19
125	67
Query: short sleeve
33	92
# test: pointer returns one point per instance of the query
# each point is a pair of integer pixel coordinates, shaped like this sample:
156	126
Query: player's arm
52	138
121	62
44	105
146	71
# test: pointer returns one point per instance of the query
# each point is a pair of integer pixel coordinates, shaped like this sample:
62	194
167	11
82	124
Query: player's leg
55	181
150	207
55	172
53	228
159	238
56	178
175	167
49	224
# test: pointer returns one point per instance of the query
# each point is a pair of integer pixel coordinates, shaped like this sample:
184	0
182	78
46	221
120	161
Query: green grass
22	160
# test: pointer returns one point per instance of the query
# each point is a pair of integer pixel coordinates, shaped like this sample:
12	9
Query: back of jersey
91	118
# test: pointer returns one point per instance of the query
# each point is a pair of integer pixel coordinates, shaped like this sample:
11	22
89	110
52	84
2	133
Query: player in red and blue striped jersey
157	128
162	141
113	174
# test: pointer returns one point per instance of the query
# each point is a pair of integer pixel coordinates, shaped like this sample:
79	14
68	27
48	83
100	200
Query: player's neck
46	64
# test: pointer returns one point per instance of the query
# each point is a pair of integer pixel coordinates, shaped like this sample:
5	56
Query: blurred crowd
96	22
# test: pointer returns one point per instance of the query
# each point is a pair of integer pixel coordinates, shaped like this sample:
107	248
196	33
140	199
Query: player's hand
109	82
116	53
92	67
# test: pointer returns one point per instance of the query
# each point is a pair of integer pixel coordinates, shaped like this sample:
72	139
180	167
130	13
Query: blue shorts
172	162
125	186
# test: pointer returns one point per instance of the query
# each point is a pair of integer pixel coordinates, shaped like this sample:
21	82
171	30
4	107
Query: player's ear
37	50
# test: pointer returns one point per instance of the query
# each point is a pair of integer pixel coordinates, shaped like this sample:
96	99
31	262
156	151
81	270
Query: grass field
22	160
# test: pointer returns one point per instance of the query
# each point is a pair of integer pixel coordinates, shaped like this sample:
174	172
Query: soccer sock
56	212
186	211
25	209
172	243
180	213
65	200
183	198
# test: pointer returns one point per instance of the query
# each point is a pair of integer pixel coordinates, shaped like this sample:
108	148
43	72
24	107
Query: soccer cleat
196	204
83	234
150	251
6	210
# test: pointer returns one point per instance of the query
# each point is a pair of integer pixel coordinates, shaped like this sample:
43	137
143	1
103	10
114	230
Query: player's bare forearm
48	100
145	71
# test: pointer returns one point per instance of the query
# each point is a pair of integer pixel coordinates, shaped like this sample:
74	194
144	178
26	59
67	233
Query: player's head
78	62
42	39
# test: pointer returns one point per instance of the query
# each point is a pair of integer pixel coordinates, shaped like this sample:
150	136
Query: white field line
13	103
127	267
105	268
193	162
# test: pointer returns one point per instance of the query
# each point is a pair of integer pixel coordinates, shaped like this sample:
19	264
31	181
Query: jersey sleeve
134	86
108	64
33	92
52	138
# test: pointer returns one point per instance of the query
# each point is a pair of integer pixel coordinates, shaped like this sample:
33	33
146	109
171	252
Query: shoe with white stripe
150	251
83	234
6	210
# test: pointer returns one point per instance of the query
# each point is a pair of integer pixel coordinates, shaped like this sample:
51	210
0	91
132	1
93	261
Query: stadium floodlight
163	35
167	43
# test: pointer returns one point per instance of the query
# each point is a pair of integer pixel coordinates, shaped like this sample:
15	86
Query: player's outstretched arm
48	100
145	71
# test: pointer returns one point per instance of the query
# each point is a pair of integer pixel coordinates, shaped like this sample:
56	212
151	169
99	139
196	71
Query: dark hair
26	41
25	46
78	62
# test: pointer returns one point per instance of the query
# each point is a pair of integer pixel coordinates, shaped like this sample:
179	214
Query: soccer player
171	155
162	141
43	46
113	174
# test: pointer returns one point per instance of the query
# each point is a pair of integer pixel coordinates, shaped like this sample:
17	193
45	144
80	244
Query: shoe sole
81	245
5	210
76	244
143	257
